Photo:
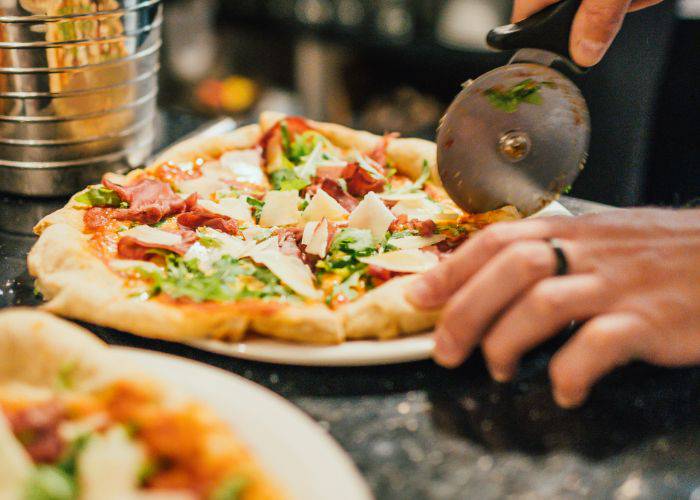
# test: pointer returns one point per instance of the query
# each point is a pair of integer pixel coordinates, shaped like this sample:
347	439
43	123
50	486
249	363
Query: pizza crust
79	285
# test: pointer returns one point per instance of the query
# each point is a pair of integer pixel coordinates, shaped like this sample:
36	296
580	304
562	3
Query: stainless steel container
78	86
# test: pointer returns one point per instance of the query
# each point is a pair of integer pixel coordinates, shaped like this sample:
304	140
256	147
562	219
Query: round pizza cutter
518	135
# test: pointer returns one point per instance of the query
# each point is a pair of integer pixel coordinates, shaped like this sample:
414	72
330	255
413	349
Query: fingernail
447	352
419	293
499	374
590	52
566	401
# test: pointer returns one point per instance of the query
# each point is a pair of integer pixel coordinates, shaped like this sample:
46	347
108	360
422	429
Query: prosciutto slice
360	181
149	200
201	217
132	248
345	200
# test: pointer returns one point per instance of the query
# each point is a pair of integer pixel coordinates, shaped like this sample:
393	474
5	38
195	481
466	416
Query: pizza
76	423
290	228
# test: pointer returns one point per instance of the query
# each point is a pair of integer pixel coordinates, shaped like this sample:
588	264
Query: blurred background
394	65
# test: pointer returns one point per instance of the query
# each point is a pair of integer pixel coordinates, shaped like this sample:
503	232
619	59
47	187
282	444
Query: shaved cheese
257	233
291	271
241	166
280	209
371	214
323	205
420	209
152	235
317	241
402	196
246	166
403	261
16	464
121	265
206	185
109	466
227	246
332	163
409	242
308	169
309	229
235	208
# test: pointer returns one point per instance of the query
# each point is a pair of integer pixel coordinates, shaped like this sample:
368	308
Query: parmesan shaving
280	209
323	205
372	214
152	235
403	261
410	242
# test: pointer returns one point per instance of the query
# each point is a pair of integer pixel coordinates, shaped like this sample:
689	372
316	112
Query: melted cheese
152	235
316	238
410	242
235	208
371	214
420	209
227	246
323	205
245	166
403	261
280	209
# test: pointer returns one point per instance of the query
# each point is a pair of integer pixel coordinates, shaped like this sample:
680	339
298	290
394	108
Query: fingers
595	26
643	4
601	345
474	307
434	289
522	9
542	312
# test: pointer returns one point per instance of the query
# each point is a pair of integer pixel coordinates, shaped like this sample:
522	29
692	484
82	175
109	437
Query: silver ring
562	262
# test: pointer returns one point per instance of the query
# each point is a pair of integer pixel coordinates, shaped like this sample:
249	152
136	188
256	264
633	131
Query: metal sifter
518	135
78	86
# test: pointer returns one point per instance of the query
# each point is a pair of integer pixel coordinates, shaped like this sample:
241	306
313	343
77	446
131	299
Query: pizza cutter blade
519	134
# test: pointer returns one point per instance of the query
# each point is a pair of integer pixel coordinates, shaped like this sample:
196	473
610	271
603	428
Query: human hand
634	277
595	26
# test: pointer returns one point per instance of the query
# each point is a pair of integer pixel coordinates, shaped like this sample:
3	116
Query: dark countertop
418	431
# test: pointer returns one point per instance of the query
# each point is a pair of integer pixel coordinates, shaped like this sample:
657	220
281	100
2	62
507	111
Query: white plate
296	452
351	353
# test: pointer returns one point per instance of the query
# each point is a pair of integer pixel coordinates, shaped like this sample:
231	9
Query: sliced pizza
76	423
301	230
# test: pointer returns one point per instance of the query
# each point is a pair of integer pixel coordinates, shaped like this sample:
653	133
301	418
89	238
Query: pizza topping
233	208
244	166
100	196
361	181
417	209
403	261
371	214
335	190
324	206
37	429
316	238
291	271
411	242
201	217
143	242
280	209
149	201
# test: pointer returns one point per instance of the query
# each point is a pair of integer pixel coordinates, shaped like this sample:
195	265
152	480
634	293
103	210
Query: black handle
548	29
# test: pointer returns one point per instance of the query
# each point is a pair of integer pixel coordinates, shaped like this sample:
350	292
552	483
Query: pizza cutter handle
548	29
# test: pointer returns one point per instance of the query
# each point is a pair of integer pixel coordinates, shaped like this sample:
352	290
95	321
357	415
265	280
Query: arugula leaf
257	206
509	100
285	179
184	279
48	482
69	459
357	242
100	196
303	145
65	379
230	489
346	287
286	140
209	242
